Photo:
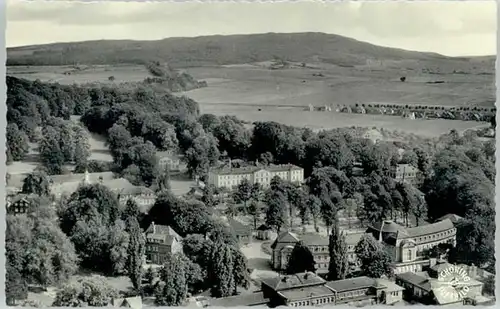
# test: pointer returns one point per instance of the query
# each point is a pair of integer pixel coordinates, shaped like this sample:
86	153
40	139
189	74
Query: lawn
257	94
68	75
282	95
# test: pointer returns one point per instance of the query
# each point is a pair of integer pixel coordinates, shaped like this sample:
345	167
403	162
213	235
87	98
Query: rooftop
452	217
389	226
285	237
253	169
353	238
406	168
136	190
306	292
163	233
263	227
130	302
401	232
351	284
314	239
390	285
446	294
414	279
430	228
240	300
293	281
238	228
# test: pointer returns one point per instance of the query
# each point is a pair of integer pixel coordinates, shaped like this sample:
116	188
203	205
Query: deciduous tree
301	260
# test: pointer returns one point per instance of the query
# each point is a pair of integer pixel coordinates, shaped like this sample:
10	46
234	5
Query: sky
453	28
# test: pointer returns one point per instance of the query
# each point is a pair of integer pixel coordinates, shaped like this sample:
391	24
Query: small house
161	241
19	204
243	233
263	232
129	302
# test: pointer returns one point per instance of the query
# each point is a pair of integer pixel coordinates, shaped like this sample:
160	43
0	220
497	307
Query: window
408	255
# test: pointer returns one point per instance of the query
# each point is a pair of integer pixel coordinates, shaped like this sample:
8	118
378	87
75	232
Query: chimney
154	228
306	275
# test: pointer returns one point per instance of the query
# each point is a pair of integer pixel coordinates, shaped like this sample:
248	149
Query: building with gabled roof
128	302
20	204
285	242
161	241
242	232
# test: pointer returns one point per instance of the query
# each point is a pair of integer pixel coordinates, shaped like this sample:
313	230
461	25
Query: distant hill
220	50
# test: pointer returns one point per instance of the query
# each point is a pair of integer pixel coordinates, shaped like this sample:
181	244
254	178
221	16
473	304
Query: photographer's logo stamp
454	282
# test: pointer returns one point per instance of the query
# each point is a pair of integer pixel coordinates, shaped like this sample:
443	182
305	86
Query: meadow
254	92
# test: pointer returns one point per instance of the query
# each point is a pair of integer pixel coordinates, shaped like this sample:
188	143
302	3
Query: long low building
231	177
308	289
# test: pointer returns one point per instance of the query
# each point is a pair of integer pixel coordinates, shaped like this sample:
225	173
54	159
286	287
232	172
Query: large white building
406	245
231	177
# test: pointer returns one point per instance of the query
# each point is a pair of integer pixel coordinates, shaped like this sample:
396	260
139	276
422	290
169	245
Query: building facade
308	289
231	177
407	245
161	241
285	242
19	204
170	160
242	232
144	197
405	173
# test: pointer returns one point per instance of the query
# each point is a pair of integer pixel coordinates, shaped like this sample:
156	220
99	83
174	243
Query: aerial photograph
250	154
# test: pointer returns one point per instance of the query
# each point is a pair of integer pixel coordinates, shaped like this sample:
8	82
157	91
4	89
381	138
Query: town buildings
263	232
161	240
308	289
242	232
405	173
19	204
128	302
283	245
170	160
442	284
230	177
144	197
407	245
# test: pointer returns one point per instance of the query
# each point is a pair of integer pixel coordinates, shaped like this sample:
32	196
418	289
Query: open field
282	95
320	70
338	85
67	75
330	120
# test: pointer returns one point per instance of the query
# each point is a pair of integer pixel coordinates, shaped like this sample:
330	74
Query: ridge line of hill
221	49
